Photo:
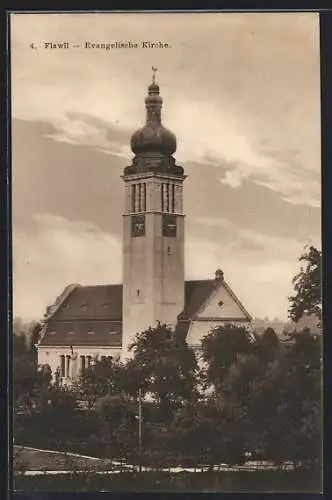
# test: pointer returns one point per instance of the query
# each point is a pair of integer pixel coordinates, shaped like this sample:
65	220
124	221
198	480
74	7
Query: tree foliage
266	399
268	395
30	386
307	285
103	377
164	366
118	425
220	348
30	382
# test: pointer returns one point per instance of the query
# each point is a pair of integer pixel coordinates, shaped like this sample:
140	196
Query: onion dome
153	137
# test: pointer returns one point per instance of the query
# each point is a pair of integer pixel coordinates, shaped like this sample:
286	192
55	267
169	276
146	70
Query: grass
225	481
38	460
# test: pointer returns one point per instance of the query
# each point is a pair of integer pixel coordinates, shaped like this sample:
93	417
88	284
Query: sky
241	92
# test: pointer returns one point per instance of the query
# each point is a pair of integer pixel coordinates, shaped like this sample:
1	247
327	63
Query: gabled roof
83	333
196	294
199	293
82	309
91	302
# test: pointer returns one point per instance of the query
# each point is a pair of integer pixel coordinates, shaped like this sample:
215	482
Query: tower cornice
154	212
155	174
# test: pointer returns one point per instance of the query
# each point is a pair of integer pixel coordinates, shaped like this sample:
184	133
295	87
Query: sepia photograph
166	251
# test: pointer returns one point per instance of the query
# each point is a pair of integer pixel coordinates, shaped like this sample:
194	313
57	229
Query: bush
260	481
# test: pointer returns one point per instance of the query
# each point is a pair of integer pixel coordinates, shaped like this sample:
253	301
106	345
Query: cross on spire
154	70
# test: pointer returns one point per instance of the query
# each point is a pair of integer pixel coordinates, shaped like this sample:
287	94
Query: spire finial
154	70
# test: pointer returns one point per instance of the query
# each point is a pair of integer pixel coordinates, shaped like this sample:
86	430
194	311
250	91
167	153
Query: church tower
153	227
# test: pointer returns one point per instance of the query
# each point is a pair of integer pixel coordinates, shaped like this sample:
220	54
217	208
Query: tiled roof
85	310
86	332
196	293
99	309
92	302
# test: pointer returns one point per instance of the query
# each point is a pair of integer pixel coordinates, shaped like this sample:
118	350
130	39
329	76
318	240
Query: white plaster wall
198	329
229	309
50	355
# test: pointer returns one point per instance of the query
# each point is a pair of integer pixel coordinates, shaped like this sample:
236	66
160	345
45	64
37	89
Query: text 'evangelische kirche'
89	322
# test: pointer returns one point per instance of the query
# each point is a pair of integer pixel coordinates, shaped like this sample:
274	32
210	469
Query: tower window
133	197
144	197
162	196
220	304
167	197
173	198
139	197
137	292
169	251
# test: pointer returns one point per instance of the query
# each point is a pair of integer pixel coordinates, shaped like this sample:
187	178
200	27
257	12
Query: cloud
58	252
258	266
235	106
279	172
232	178
263	283
247	120
84	130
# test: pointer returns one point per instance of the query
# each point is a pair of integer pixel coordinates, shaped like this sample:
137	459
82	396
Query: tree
268	345
304	384
307	285
220	348
117	425
19	345
30	386
104	377
165	366
197	433
35	336
285	403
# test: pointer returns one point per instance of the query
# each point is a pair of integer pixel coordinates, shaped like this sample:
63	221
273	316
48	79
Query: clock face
169	225
138	225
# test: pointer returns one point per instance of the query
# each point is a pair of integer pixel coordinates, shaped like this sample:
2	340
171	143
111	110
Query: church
86	323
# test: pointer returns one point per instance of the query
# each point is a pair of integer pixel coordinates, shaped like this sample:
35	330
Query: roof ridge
237	300
101	285
86	319
200	280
